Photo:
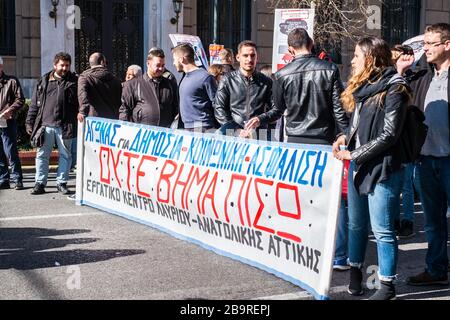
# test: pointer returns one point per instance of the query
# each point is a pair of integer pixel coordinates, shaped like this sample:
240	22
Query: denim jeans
73	152
341	251
52	135
380	208
9	153
408	192
434	179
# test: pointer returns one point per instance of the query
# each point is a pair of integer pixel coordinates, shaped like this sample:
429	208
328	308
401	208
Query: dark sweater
52	112
197	93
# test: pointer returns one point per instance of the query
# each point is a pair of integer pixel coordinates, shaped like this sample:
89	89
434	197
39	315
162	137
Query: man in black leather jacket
309	89
244	93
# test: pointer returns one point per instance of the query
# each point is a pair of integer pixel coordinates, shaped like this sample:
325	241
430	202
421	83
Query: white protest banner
287	20
196	43
270	205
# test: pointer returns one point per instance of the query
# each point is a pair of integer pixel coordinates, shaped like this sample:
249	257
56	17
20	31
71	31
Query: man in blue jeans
53	111
11	101
432	95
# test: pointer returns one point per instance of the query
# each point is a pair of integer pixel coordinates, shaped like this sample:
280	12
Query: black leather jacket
376	125
309	89
239	99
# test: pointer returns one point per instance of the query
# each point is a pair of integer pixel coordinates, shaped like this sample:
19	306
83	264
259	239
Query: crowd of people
306	102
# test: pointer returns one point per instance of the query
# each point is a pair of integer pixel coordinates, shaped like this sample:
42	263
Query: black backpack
413	135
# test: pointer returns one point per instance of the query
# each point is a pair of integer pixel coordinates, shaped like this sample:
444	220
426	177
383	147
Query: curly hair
378	56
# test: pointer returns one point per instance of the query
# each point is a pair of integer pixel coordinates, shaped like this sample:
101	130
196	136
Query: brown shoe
425	279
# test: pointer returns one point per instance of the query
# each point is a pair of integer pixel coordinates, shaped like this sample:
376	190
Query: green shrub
23	139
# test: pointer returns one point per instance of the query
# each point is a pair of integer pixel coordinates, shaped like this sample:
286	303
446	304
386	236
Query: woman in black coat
377	97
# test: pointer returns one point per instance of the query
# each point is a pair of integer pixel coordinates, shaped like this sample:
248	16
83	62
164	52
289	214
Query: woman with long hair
378	99
217	71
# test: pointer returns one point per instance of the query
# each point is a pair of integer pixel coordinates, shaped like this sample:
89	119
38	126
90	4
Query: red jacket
345	179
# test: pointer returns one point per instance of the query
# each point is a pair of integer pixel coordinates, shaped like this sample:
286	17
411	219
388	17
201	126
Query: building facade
126	29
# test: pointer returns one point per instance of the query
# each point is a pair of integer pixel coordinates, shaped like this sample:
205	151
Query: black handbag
37	140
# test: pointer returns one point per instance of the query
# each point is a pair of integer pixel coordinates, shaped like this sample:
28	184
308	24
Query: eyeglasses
433	44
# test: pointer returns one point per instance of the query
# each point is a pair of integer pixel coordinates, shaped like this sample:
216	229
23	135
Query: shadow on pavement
31	248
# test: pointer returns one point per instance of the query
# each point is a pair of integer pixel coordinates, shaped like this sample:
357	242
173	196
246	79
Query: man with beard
166	87
244	94
52	117
151	99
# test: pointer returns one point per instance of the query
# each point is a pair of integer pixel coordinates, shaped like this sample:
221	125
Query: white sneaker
71	197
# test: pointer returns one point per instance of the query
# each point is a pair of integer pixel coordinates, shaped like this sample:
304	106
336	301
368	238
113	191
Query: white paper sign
287	20
196	43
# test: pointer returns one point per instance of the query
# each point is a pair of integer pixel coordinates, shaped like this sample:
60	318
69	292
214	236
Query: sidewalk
46	237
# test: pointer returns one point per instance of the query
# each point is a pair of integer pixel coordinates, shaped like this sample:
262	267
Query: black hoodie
99	93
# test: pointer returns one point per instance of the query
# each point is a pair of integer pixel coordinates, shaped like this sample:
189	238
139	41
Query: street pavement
52	249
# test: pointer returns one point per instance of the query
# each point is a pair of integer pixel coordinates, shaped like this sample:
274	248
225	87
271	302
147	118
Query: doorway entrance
114	28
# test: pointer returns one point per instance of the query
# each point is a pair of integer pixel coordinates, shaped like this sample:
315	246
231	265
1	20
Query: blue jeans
341	251
408	192
9	153
52	135
73	152
434	179
380	208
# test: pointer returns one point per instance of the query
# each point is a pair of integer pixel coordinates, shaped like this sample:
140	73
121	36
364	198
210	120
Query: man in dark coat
99	91
52	118
151	99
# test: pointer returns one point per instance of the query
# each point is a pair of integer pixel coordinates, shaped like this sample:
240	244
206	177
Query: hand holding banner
270	205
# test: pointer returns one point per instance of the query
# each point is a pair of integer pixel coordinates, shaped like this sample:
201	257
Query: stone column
157	28
56	39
